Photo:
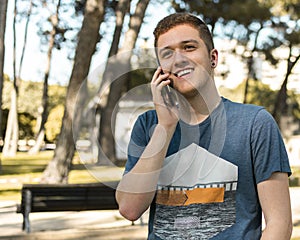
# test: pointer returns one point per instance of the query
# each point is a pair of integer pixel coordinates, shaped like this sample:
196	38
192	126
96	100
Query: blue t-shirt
207	185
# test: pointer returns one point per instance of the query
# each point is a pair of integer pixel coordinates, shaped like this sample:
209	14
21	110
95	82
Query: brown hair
176	19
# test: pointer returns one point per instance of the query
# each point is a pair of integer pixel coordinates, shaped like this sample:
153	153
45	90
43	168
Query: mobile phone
169	96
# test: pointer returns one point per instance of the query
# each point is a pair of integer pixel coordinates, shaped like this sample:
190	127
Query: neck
196	109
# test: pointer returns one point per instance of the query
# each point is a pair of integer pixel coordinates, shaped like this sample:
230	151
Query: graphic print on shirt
195	196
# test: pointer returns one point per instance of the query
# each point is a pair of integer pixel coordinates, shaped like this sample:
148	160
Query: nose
180	60
177	60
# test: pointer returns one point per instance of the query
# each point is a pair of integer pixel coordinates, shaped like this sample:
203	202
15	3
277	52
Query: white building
293	148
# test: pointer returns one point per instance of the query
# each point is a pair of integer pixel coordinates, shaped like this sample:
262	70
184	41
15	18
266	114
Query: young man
206	166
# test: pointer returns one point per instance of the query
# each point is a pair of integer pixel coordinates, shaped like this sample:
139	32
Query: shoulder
145	121
150	114
248	114
249	111
148	118
241	108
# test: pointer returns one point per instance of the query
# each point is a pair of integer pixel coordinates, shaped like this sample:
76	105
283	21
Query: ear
214	58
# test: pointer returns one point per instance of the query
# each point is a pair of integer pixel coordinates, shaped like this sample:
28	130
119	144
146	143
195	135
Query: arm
274	198
137	188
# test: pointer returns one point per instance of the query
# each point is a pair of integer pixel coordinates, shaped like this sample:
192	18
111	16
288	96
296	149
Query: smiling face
183	53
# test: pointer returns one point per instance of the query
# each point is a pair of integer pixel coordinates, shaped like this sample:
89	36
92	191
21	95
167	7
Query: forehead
177	35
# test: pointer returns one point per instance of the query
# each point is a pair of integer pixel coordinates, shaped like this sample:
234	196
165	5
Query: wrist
167	127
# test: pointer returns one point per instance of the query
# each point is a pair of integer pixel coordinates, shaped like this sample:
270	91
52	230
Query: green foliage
283	7
244	12
26	125
143	60
140	77
54	122
30	97
57	95
29	102
261	94
294	102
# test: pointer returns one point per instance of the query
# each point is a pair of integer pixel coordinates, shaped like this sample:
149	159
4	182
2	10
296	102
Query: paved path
69	225
92	225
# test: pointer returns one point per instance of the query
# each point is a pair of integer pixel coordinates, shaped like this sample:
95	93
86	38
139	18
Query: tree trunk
122	8
280	104
25	38
3	10
250	62
120	67
12	129
54	19
58	168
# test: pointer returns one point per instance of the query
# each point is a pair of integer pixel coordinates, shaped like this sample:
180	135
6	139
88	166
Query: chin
189	93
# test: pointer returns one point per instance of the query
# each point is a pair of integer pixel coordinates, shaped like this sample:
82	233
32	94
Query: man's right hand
167	115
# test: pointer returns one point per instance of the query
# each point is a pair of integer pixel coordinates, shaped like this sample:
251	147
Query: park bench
65	197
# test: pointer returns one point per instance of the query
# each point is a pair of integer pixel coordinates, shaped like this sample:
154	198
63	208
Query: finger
159	76
156	74
164	83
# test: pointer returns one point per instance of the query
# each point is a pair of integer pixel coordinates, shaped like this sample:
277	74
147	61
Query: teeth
184	72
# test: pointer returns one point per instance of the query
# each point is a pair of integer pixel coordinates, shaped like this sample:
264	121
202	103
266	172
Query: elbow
290	229
127	208
278	230
129	213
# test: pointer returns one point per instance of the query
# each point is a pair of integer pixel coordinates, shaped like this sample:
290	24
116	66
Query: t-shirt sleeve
137	144
268	149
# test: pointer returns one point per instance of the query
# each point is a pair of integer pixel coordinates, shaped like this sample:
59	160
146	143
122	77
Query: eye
167	53
189	47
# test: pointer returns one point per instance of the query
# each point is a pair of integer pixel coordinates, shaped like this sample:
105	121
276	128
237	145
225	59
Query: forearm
135	193
137	188
275	201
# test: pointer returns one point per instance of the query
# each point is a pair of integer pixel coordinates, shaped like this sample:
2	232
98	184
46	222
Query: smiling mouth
184	72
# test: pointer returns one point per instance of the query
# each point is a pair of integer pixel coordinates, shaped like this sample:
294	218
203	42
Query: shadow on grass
12	169
78	167
23	163
9	191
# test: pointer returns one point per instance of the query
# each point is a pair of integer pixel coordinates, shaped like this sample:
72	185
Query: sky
35	61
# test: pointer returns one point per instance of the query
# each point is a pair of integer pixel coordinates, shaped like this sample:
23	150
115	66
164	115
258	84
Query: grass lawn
25	168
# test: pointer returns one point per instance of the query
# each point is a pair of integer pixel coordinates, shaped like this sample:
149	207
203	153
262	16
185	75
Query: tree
54	20
58	168
3	9
12	129
290	30
119	10
280	106
119	67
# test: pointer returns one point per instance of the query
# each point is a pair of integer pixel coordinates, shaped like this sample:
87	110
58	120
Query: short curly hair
176	19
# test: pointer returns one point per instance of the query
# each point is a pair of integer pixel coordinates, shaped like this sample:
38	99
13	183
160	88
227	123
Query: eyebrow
181	43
